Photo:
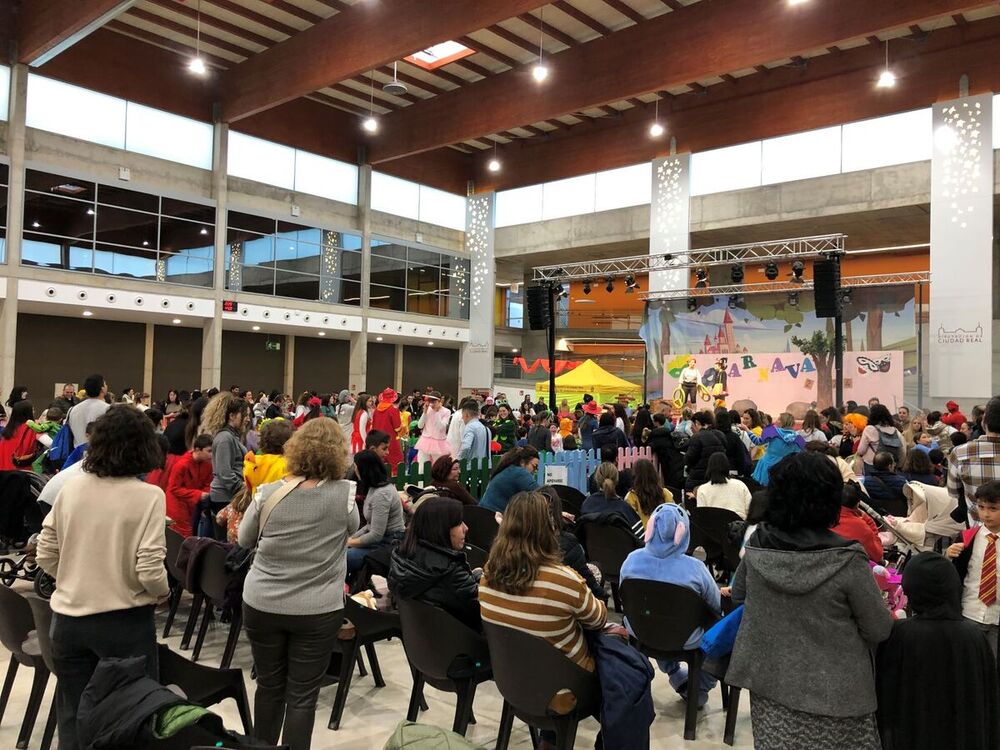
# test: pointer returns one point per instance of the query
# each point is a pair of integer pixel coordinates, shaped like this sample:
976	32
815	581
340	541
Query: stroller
22	566
899	547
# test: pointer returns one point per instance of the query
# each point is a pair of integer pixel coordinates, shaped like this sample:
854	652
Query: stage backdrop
795	382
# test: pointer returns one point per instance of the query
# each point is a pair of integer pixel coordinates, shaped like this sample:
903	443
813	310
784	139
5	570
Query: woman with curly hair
104	541
293	599
812	610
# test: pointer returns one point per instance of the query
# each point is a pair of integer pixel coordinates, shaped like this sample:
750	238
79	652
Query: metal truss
846	282
751	252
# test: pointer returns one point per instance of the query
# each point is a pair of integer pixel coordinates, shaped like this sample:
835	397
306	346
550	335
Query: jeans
356	555
291	653
78	643
678	676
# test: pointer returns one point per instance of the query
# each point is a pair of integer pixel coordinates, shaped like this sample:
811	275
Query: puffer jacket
440	577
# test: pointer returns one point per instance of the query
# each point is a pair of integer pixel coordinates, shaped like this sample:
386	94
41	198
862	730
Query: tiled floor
372	713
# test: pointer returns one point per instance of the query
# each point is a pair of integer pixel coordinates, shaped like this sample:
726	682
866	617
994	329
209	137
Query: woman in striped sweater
525	585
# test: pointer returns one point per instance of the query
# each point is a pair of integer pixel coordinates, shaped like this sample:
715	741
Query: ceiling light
540	72
736	274
90	212
797	2
692	304
322	333
145	243
430	343
656	129
35	225
887	79
494	165
370	125
395	87
793	299
798	268
87	313
255	328
771	271
514	350
177	321
611	285
378	338
197	66
203	231
586	286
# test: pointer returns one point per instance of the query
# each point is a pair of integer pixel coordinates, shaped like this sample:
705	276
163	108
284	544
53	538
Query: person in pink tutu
433	426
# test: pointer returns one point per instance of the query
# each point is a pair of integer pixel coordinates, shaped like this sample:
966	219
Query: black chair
607	546
662	616
572	498
710	531
530	672
369	627
444	653
203	685
16	622
213	580
41	612
475	556
730	696
176	577
483	526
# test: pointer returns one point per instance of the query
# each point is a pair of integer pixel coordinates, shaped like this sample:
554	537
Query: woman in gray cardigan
812	619
293	599
382	509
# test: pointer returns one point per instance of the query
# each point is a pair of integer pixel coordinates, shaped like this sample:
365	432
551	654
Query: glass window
58	216
67	187
519	206
996	121
327	178
389	271
297	285
815	153
76	112
4	91
260	160
442	208
258	279
387	298
132	263
118	226
394	196
627	186
4	172
569	197
724	169
186	210
896	139
258	224
168	136
350	293
116	196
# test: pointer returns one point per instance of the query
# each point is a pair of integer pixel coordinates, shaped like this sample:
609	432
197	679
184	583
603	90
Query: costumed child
665	559
689	380
387	419
433	424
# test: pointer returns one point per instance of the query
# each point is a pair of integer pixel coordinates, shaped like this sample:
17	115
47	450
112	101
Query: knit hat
388	396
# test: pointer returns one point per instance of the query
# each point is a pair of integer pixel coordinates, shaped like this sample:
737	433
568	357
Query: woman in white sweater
721	490
104	543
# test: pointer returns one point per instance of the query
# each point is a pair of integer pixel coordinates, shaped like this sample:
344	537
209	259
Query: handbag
718	640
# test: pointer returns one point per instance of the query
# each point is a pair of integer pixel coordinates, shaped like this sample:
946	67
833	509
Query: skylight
439	54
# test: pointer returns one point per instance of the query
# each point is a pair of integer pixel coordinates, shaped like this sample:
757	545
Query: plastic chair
213	579
174	542
730	696
370	626
41	612
529	672
16	622
203	685
483	526
662	616
444	653
608	546
572	498
710	531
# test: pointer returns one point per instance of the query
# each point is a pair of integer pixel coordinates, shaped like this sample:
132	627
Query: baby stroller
22	566
929	516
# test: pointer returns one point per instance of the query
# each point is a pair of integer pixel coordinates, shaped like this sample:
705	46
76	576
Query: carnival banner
787	381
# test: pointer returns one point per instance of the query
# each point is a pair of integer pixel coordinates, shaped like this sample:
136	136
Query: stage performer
689	380
386	418
720	382
433	426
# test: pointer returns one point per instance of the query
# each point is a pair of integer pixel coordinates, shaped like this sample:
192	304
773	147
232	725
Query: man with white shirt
88	410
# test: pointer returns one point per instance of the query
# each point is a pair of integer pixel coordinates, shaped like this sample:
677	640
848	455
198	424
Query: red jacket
189	480
21	446
861	528
953	417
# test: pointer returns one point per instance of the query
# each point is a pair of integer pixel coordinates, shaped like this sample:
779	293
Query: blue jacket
626	701
475	441
505	485
665	559
780	443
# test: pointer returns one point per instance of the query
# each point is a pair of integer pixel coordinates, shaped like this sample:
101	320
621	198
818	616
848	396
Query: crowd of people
308	484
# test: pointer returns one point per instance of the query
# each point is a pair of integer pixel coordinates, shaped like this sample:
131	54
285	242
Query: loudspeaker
826	282
539	307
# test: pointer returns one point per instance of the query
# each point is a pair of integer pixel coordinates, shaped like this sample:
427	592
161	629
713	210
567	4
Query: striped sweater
554	608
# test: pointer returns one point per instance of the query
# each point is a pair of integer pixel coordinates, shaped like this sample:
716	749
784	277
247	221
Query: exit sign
272	346
230	306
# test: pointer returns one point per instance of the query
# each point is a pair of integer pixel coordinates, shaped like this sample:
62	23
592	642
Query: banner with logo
795	382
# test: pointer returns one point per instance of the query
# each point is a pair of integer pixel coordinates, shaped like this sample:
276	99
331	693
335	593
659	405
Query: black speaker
826	282
539	307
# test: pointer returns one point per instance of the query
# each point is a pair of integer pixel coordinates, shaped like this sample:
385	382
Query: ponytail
606	479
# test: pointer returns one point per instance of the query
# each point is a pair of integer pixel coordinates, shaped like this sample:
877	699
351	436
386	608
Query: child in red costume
386	418
189	483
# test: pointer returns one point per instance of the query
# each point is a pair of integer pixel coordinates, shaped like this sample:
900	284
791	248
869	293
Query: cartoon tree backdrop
870	305
819	346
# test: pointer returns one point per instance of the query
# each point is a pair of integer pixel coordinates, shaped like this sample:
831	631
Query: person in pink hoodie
954	416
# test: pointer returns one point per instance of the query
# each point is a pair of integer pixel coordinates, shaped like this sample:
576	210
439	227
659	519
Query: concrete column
211	351
147	364
290	365
397	370
476	359
358	366
15	222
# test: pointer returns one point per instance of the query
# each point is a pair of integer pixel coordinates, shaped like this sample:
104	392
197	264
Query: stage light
560	291
736	274
702	275
798	268
630	284
846	296
692	304
771	271
793	299
611	285
734	301
586	286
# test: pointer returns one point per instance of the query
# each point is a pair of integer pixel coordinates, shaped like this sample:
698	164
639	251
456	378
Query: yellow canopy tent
591	378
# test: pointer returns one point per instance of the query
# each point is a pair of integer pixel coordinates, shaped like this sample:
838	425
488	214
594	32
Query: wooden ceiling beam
179	28
626	10
210	21
44	29
548	29
663	52
364	37
176	47
485	49
579	15
294	10
250	15
512	38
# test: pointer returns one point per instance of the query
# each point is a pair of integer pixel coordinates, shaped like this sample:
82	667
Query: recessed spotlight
197	66
255	328
370	125
797	2
430	343
145	243
378	338
87	313
204	230
35	225
656	130
514	350
322	333
90	212
493	166
540	72
177	321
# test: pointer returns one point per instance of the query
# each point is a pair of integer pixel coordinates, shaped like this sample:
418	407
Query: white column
147	363
358	364
15	222
357	368
476	360
669	218
961	305
211	345
290	365
211	351
397	370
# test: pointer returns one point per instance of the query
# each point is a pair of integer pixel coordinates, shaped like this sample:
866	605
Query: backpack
891	443
62	444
